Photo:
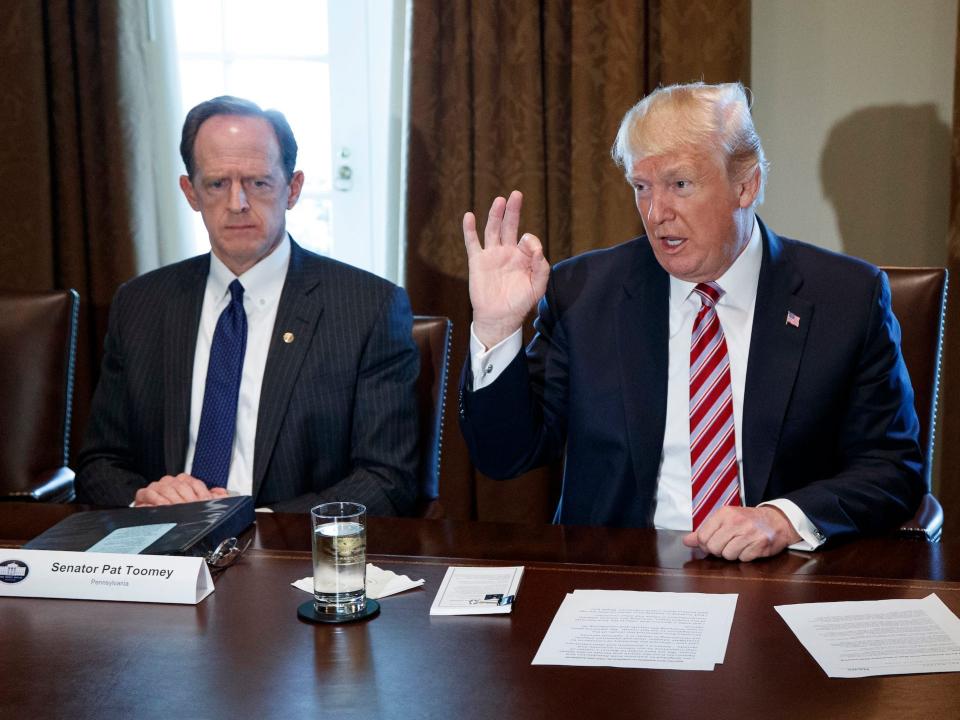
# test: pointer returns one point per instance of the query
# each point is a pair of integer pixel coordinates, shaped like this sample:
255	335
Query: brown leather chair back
38	341
919	298
432	336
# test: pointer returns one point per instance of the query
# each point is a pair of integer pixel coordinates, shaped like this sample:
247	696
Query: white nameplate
103	576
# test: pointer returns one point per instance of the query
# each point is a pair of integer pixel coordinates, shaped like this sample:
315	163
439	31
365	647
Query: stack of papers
477	591
878	637
622	628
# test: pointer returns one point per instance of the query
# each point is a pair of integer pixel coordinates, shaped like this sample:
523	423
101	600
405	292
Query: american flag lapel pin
793	319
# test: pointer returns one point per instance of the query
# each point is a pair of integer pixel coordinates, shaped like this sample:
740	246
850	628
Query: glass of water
339	558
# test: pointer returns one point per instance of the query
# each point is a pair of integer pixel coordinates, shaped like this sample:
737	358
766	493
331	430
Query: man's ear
296	185
750	188
189	193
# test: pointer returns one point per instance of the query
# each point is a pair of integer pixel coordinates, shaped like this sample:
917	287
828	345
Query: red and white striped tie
713	448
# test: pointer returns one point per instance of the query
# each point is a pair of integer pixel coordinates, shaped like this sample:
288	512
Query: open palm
507	277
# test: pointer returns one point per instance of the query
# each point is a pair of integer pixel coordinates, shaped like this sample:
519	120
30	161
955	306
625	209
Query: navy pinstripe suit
337	417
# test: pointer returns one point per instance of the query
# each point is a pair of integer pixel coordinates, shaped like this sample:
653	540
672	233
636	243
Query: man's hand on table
170	490
744	533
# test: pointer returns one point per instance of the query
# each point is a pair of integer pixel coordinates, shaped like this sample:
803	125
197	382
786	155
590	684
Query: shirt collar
261	284
739	282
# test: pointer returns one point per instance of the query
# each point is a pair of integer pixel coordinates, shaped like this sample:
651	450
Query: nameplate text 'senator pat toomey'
103	576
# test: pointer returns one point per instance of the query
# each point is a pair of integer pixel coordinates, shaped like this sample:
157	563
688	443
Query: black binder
200	526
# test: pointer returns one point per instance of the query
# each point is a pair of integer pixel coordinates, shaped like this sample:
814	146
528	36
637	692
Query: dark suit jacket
828	418
337	417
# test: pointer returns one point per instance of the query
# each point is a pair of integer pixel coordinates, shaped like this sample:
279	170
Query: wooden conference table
242	652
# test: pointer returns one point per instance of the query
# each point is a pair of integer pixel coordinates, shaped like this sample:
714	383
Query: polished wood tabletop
242	652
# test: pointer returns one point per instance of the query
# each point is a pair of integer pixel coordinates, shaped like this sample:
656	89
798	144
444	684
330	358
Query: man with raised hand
709	376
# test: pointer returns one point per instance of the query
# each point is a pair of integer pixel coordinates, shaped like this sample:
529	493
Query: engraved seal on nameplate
13	571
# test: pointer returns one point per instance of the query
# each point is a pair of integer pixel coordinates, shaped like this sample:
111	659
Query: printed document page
621	628
131	540
477	591
878	637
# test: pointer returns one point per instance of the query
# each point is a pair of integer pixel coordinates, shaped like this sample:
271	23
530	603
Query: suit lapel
298	314
181	320
643	337
780	324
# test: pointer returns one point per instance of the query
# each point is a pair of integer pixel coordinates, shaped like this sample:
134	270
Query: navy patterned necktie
218	420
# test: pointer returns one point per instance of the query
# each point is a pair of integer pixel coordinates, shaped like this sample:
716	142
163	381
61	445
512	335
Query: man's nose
238	198
659	208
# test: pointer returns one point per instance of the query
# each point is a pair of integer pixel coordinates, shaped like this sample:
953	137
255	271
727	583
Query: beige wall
853	101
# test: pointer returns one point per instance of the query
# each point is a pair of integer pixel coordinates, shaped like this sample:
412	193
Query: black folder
200	526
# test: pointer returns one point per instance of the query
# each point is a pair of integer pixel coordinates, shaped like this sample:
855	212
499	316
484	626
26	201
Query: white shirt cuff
811	537
488	364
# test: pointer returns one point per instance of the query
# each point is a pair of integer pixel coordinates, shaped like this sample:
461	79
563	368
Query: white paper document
131	540
477	591
878	637
622	628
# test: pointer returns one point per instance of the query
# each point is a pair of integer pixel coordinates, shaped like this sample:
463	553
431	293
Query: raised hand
507	278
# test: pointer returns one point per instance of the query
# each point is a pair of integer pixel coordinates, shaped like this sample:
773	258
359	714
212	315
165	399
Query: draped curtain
82	105
513	94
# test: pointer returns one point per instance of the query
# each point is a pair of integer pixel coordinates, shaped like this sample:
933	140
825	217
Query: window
333	67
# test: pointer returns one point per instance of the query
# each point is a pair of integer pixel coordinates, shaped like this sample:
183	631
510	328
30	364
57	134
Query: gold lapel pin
288	337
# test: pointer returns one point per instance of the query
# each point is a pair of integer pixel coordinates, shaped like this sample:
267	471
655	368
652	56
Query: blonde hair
694	116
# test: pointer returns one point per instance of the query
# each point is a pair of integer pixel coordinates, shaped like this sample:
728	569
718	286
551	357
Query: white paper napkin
380	583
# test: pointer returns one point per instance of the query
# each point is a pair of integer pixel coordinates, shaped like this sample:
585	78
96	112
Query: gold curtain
66	205
509	94
80	87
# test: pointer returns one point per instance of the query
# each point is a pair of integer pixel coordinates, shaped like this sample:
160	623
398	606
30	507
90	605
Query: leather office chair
919	298
432	336
38	341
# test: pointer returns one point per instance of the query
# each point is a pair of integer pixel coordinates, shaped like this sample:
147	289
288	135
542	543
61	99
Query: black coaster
307	612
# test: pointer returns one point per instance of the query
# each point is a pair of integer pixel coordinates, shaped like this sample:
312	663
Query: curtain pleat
84	90
63	188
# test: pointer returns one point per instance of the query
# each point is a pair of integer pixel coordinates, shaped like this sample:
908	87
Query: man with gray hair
709	376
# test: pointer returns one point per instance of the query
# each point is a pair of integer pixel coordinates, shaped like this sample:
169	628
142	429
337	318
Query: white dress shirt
262	285
735	312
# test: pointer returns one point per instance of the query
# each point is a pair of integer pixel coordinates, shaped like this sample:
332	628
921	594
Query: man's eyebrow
686	169
680	170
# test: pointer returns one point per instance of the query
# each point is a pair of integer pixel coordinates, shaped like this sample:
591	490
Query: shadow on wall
886	171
